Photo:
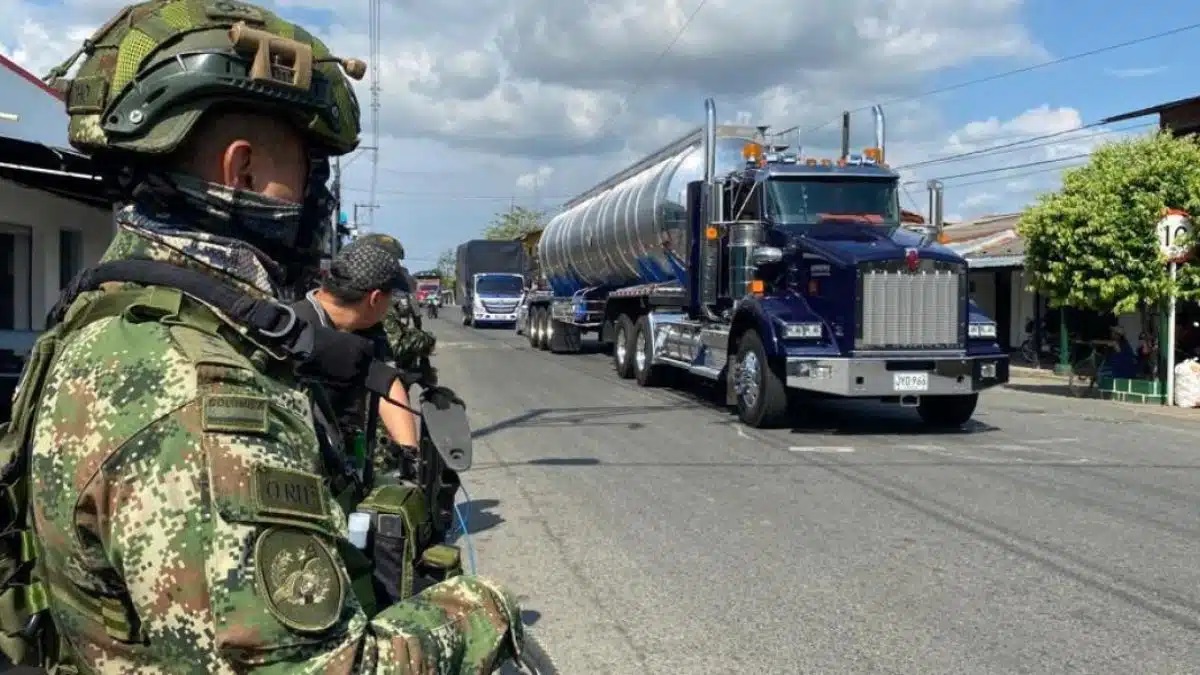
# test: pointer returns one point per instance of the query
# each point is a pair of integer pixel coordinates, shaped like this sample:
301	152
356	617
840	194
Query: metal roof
996	262
56	170
1160	108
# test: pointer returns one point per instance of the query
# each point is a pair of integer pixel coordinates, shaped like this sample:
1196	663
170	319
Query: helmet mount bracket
275	59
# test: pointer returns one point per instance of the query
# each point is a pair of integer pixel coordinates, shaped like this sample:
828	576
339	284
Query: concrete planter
1132	391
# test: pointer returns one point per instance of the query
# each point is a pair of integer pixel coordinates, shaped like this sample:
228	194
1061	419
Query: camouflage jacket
176	469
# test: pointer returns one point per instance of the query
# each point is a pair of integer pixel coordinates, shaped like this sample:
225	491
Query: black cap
369	263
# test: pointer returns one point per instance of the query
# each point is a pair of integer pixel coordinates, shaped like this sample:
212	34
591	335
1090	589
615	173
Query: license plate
910	381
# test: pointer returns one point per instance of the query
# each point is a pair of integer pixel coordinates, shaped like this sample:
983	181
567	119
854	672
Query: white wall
1023	307
45	214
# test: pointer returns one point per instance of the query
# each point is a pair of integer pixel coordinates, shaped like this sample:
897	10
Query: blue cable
462	527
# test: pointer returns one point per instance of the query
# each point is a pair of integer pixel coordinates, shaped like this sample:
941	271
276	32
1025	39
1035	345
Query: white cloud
536	179
512	101
995	166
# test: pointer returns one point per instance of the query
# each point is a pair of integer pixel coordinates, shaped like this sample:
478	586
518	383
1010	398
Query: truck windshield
807	201
502	285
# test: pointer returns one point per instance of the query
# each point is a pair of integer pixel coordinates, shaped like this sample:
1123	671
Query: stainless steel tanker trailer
775	274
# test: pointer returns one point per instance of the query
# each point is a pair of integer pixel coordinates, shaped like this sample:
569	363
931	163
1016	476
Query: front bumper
880	377
498	318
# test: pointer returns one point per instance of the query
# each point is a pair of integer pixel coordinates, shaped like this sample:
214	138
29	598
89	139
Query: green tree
514	223
446	263
1093	244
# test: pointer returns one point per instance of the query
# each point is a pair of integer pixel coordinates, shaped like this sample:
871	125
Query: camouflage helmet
154	69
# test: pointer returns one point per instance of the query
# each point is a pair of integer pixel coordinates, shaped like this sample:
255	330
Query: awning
59	171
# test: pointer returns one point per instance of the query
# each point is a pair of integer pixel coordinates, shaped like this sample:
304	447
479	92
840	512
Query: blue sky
500	101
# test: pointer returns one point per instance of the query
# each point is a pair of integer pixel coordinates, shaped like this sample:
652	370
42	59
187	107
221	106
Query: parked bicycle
1049	348
1087	372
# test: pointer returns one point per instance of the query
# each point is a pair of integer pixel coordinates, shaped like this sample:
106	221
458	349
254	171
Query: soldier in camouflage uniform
181	521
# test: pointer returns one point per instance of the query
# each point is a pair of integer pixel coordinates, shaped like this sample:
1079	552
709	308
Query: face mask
263	221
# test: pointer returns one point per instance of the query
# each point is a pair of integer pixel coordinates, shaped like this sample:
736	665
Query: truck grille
500	306
921	309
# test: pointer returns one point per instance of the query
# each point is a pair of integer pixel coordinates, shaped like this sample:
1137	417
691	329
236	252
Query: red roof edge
29	77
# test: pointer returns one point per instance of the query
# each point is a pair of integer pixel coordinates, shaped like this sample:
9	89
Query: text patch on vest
288	493
237	414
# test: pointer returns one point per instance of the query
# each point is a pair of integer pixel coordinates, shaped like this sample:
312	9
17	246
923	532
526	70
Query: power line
1021	145
1015	71
983	172
1015	176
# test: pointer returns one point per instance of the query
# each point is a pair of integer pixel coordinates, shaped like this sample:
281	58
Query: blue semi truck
779	276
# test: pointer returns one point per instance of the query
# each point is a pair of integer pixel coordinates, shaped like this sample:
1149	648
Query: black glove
441	397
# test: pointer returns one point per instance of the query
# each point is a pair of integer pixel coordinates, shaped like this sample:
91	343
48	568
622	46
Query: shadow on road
816	463
1052	388
479	516
838	418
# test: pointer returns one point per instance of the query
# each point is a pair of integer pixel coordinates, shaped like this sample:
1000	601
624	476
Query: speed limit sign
1174	232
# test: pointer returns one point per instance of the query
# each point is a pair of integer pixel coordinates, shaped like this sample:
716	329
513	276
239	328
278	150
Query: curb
1136	408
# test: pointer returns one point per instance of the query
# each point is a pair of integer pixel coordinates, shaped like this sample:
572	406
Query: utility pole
365	207
335	244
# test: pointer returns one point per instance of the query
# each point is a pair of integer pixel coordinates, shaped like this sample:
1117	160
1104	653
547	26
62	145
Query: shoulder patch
299	579
235	413
289	494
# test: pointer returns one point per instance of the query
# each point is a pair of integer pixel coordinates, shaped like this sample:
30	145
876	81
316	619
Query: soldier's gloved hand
442	397
488	619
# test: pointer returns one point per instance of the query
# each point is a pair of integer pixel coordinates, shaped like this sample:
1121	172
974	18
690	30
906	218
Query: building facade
55	220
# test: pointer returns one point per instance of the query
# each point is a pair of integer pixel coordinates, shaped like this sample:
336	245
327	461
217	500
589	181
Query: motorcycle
431	309
446	450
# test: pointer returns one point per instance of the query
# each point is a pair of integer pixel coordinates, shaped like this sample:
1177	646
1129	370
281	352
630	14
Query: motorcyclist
180	524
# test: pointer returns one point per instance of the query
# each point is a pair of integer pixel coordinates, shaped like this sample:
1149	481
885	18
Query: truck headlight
981	330
802	330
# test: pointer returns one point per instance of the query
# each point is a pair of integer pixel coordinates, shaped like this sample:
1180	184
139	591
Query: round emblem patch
299	579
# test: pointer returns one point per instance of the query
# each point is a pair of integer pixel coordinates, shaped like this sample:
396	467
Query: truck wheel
947	412
535	328
762	400
623	346
531	327
544	329
644	370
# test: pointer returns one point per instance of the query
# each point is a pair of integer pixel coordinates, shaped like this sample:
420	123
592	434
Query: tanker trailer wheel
947	412
647	374
623	347
529	330
762	400
535	327
543	328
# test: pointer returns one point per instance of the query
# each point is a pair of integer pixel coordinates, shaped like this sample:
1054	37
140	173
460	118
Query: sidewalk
1044	382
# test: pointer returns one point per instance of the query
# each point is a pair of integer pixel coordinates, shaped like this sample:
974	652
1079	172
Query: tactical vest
27	634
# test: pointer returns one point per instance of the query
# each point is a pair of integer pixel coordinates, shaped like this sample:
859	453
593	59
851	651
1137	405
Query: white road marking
1051	441
830	449
951	454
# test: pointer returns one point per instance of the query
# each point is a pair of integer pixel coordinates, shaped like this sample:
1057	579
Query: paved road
648	532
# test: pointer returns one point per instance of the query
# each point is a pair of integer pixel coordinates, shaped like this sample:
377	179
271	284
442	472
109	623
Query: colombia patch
232	413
